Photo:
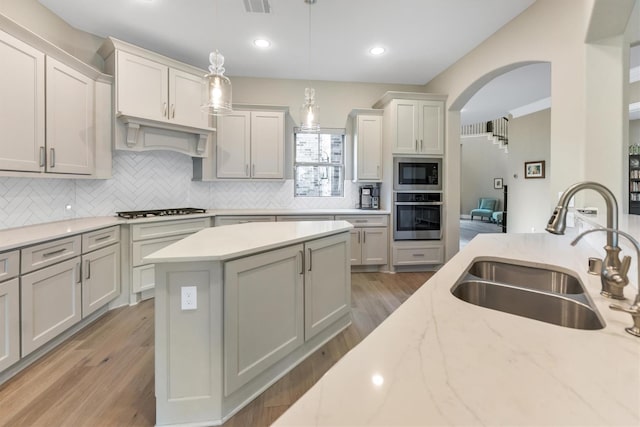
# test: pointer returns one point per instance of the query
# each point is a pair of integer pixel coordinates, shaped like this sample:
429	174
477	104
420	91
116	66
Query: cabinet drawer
304	218
45	254
144	248
417	255
365	220
229	220
9	265
100	238
152	230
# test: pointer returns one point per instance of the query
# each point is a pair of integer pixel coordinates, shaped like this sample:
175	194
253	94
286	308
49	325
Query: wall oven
417	216
417	174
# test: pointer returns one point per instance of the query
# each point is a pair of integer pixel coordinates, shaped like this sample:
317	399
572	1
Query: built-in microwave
417	174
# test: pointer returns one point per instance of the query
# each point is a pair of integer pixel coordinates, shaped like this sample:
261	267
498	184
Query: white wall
481	160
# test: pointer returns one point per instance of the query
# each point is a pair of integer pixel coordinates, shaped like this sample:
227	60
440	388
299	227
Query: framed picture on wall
497	183
534	169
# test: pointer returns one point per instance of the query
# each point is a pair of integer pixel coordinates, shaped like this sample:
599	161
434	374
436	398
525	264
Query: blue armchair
485	209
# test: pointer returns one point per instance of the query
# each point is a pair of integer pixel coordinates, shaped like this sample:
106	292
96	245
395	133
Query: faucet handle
624	266
634	311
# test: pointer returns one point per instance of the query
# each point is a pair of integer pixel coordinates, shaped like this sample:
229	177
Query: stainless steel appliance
370	196
159	212
417	216
417	174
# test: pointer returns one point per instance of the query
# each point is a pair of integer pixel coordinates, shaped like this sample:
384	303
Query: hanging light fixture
216	86
309	111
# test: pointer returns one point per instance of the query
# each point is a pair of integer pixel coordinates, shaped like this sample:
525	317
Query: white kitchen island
439	361
266	294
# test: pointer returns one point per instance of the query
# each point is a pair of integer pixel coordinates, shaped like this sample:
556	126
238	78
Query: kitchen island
438	360
238	306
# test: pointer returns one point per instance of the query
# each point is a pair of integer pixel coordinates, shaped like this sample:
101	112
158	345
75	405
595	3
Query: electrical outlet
189	297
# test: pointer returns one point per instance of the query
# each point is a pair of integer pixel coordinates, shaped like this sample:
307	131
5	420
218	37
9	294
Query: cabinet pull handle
378	171
87	267
52	160
42	154
358	237
78	280
418	255
364	236
164	109
99	239
48	254
360	221
253	169
421	145
301	262
416	146
310	259
173	111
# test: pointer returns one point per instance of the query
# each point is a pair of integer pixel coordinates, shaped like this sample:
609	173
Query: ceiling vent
257	6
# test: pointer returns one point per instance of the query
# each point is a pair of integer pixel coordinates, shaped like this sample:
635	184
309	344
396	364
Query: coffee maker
370	196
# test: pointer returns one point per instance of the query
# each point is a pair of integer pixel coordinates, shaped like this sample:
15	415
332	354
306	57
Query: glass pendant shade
309	112
217	87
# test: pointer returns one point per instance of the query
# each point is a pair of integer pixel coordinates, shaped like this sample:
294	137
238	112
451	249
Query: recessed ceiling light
262	43
378	50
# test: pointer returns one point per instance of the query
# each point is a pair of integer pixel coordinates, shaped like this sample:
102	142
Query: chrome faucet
613	275
633	309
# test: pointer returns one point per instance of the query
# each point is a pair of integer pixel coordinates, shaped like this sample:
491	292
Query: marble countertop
440	361
233	241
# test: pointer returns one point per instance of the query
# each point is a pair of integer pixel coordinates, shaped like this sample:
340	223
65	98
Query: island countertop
438	360
233	241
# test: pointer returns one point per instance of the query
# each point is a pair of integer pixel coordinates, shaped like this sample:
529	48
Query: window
319	163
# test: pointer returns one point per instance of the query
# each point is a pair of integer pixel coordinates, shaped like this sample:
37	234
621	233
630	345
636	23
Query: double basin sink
544	294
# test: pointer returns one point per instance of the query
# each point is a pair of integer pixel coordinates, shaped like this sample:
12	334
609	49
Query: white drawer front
418	255
304	218
144	278
152	230
44	254
100	238
230	220
365	220
9	265
147	247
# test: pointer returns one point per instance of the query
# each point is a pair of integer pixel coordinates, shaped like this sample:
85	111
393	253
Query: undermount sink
542	294
541	279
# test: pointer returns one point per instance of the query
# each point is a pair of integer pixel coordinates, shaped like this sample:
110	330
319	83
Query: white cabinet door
267	145
50	303
70	120
233	145
142	87
375	243
405	127
431	127
356	246
22	97
263	318
100	278
369	148
327	282
185	99
9	323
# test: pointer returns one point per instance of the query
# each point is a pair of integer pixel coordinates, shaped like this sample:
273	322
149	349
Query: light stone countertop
439	361
233	241
12	238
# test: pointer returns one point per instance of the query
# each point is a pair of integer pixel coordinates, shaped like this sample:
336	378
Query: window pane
319	148
319	181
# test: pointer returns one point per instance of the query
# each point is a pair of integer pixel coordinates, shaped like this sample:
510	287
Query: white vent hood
157	101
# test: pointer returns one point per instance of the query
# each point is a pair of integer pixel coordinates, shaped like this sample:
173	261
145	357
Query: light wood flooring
104	375
470	229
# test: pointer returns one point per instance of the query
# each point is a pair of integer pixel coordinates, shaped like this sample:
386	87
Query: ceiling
328	40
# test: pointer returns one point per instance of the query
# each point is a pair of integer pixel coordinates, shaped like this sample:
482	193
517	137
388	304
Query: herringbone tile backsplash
151	180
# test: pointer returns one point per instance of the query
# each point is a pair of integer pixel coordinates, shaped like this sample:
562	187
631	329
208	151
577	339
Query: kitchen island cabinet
264	299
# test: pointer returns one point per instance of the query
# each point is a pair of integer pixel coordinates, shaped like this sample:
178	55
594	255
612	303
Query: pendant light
309	110
216	86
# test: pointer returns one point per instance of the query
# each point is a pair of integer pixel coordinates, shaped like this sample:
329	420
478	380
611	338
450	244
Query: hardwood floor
104	375
469	229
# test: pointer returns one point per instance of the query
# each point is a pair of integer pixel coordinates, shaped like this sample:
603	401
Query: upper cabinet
250	144
157	101
415	122
367	144
54	118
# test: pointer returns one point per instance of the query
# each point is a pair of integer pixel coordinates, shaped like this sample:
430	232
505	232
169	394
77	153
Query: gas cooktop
159	212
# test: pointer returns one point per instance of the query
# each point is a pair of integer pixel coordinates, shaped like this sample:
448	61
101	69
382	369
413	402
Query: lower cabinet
50	303
369	246
101	278
9	323
417	254
263	319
